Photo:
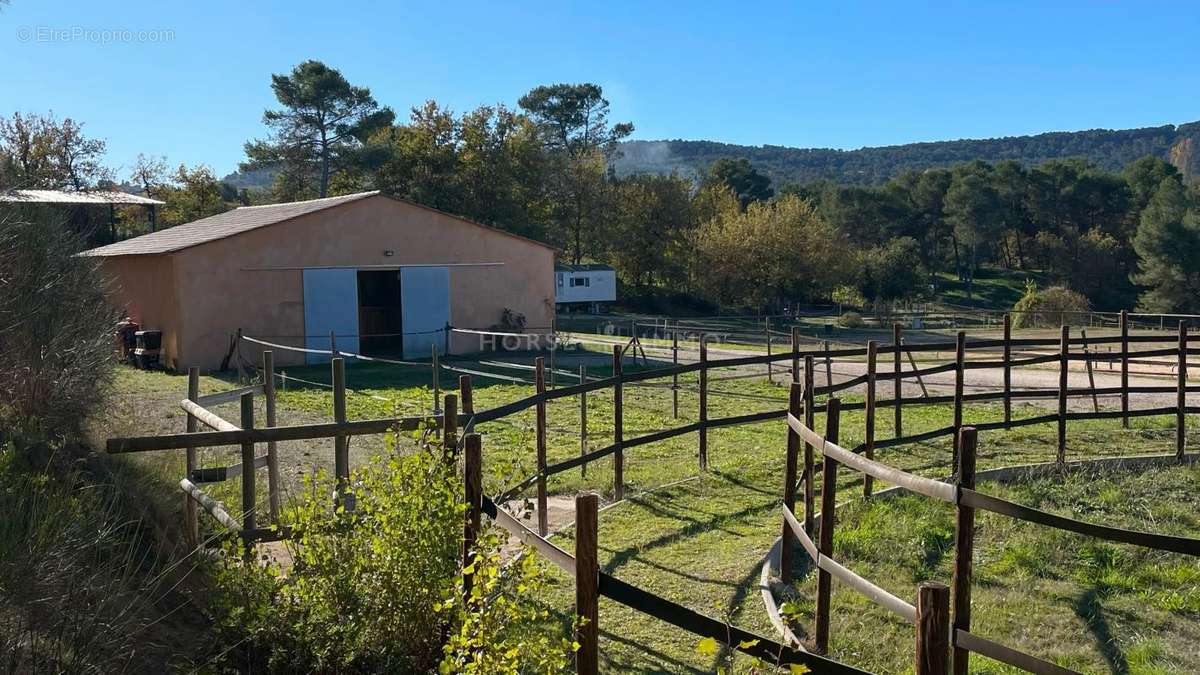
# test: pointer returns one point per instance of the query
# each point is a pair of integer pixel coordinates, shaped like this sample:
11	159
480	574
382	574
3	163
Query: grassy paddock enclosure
694	540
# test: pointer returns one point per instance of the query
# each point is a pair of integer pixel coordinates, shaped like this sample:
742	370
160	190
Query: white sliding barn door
424	308
330	304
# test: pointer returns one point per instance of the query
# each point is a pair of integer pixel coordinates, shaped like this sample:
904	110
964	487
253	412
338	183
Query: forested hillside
1106	149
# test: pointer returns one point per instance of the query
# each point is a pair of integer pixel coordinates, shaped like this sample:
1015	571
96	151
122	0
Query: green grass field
700	540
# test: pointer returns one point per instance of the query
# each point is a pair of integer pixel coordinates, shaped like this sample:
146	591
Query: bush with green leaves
1048	307
851	320
373	590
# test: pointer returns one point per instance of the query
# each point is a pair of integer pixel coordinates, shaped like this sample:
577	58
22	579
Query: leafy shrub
851	320
56	328
373	590
1047	308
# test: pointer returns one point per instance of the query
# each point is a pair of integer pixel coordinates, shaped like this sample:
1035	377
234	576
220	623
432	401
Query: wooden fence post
703	432
333	350
809	463
869	441
466	398
828	517
788	541
933	629
1007	368
539	382
553	348
473	493
189	504
1087	361
273	480
767	334
960	355
450	427
675	376
897	381
1181	393
1125	368
437	380
583	431
828	365
964	544
795	353
341	442
1064	350
587	585
249	520
618	429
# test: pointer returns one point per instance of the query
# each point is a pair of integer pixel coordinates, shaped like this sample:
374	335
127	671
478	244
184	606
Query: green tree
192	194
768	254
41	152
1144	175
573	119
738	175
648	238
974	209
1168	246
323	122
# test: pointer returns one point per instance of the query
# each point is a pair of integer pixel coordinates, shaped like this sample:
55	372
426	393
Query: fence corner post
964	544
933	629
587	584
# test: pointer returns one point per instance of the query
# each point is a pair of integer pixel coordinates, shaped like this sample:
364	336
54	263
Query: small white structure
584	284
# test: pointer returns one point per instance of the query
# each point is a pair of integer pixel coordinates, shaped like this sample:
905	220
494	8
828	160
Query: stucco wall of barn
144	288
223	284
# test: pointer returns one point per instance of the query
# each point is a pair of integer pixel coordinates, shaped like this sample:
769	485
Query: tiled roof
220	226
71	197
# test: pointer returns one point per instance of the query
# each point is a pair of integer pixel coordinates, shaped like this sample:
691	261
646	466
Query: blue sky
833	74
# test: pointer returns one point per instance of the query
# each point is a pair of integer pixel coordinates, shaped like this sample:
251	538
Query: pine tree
1168	247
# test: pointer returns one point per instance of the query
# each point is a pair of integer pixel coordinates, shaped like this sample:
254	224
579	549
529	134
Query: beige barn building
385	275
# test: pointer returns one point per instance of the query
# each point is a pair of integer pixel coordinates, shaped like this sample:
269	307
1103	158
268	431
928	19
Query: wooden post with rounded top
1125	368
869	441
897	382
1007	368
473	493
273	478
587	584
788	542
539	382
933	629
189	504
809	462
1064	351
964	544
1181	393
825	541
703	403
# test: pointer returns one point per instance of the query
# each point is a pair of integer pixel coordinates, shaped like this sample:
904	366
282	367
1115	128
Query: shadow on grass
1088	607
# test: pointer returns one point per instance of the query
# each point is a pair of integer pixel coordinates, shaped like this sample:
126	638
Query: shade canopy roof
72	197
